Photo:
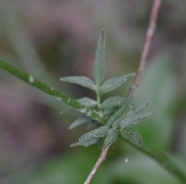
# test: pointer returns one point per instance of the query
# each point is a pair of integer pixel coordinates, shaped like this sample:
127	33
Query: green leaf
134	119
111	137
132	135
99	64
79	121
92	125
85	101
132	106
113	102
51	91
87	142
99	132
114	83
109	112
118	113
83	81
130	114
141	109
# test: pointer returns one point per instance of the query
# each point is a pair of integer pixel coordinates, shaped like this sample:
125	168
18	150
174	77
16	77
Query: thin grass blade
51	91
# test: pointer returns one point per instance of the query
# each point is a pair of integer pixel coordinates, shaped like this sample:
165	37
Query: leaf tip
102	30
70	127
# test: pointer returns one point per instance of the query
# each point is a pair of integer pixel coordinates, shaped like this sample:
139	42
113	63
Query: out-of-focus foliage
50	39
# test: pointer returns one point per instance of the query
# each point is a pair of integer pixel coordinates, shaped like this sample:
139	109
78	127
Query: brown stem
149	35
99	161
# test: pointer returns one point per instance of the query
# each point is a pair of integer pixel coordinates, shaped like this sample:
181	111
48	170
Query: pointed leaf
85	101
132	106
86	143
124	116
114	83
83	81
113	102
111	137
141	109
99	64
132	120
132	135
109	112
79	121
118	113
99	132
92	125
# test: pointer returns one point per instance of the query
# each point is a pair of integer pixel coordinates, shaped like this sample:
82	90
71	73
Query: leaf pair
99	69
121	125
132	117
95	135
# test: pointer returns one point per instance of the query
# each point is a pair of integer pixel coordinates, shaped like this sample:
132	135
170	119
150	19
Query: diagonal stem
150	32
149	35
99	161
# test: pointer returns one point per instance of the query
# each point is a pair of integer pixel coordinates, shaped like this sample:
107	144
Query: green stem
51	91
98	94
158	156
163	160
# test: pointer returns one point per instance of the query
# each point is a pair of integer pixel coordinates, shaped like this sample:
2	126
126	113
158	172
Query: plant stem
51	91
99	161
158	156
162	159
149	35
150	32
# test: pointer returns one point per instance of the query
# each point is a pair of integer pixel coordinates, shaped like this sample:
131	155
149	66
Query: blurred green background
56	38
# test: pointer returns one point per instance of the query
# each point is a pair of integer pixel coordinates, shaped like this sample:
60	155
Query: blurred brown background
55	38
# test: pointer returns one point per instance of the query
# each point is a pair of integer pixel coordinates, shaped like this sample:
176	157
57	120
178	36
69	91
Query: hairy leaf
113	102
134	119
83	81
85	101
110	138
92	125
114	83
132	135
118	113
99	132
79	121
87	142
99	64
141	109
